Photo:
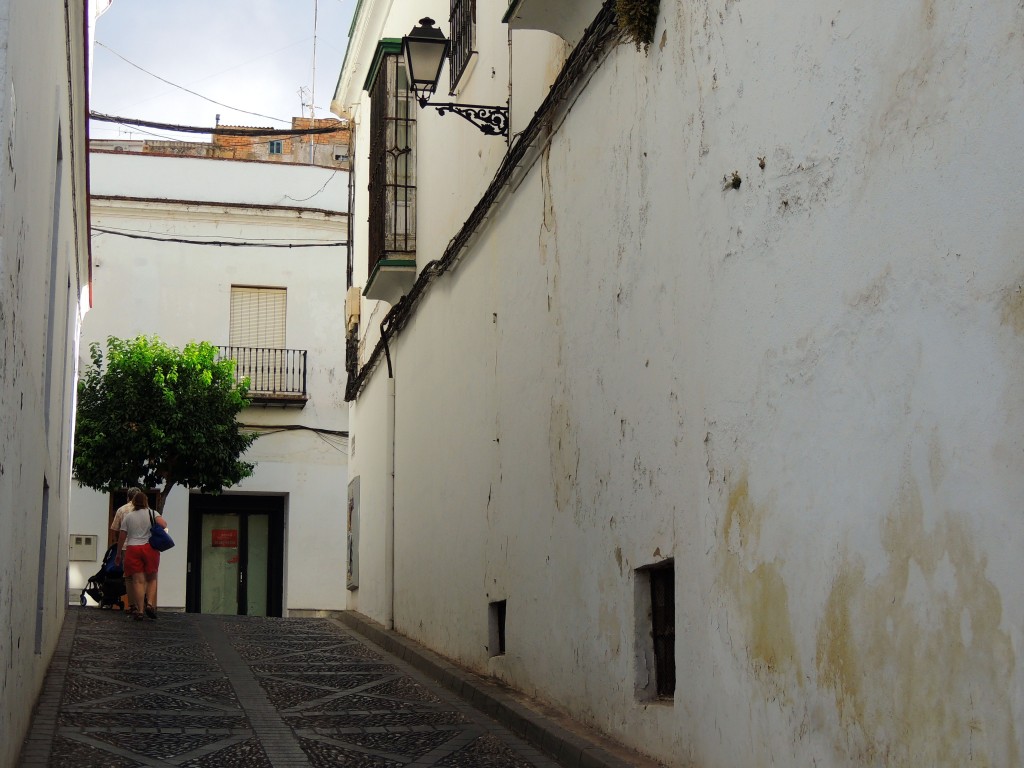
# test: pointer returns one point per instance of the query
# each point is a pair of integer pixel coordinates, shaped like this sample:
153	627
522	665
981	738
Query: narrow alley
200	690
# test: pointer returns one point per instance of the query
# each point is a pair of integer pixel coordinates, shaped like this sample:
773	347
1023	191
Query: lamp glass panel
424	59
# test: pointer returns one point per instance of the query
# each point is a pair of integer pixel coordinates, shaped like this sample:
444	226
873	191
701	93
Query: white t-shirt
137	524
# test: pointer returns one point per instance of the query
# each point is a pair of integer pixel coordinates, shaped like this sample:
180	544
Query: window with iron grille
392	184
663	629
256	338
655	596
463	24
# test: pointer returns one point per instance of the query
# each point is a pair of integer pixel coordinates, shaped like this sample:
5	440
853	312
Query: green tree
156	416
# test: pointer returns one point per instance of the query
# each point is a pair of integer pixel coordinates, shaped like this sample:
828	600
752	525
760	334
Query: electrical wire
294	427
326	435
159	136
183	88
234	144
218	131
224	243
113	230
229	69
322	188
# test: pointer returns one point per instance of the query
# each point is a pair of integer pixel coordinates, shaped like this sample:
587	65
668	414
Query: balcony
276	376
568	19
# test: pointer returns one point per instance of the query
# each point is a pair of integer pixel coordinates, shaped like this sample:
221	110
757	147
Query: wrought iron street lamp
425	49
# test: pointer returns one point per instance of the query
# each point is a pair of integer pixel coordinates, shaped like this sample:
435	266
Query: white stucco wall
185	292
217	181
44	267
807	391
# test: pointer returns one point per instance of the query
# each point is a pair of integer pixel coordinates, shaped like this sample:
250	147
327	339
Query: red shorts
141	558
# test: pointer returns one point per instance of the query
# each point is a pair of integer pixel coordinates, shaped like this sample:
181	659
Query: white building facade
250	257
702	416
44	289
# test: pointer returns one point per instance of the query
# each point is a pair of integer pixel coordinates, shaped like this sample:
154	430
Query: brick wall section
329	149
294	149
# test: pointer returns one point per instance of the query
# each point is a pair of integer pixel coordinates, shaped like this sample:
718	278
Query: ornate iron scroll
490	120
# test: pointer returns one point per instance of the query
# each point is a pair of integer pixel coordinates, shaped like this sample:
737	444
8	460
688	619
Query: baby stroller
107	586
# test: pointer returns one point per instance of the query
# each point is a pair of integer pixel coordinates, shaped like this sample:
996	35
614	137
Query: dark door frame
242	504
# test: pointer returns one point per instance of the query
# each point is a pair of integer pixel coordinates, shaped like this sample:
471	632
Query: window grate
463	24
663	629
392	184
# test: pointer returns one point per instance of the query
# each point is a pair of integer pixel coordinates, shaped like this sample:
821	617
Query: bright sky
252	55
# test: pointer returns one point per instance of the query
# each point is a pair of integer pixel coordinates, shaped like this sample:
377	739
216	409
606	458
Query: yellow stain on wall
758	591
1013	309
916	659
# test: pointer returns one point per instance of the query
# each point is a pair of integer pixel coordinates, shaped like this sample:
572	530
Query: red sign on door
224	537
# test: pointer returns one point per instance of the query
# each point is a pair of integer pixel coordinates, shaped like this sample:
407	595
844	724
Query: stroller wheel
82	599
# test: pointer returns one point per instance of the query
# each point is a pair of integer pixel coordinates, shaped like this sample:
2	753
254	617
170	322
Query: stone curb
570	749
38	743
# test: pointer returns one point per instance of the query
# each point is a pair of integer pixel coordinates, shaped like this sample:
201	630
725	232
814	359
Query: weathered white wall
808	390
214	180
43	246
370	418
185	295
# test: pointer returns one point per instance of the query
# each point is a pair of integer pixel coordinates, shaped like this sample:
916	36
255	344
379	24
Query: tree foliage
152	415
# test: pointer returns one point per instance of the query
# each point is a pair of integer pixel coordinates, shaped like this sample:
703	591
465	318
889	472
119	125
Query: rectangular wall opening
496	627
655	639
51	312
44	521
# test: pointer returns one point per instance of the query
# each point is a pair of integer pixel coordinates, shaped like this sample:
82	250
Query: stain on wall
1012	309
758	593
916	656
565	453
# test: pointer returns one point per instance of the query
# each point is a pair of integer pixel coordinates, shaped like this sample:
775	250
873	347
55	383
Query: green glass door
220	563
235	555
257	549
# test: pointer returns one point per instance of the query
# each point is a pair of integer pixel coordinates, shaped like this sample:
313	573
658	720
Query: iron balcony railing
274	374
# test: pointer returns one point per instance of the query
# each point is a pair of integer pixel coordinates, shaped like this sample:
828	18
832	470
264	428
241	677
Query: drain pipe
389	519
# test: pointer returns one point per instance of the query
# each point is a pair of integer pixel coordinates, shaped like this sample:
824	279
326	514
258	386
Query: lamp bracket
492	121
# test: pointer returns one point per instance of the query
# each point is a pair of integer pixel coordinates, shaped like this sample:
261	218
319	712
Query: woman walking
141	561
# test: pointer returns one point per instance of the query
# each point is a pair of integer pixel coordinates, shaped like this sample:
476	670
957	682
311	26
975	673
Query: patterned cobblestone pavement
223	691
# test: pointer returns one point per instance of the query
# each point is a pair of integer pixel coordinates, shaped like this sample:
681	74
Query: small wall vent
496	627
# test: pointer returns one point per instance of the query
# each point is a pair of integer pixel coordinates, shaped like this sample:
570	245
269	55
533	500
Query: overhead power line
183	88
217	131
329	436
322	188
245	243
293	427
314	240
234	144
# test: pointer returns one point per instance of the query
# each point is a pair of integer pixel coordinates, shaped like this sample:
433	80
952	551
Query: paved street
220	691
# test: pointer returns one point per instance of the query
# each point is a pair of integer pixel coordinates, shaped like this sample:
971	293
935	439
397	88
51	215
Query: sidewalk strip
39	742
277	738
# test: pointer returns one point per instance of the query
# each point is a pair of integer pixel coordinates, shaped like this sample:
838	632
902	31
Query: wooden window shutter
257	317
